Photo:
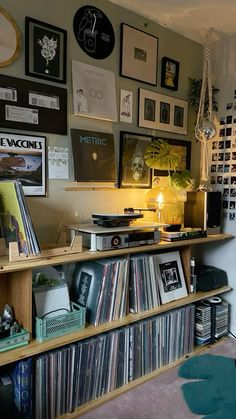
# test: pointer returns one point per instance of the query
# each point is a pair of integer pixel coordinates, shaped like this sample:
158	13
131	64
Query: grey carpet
159	398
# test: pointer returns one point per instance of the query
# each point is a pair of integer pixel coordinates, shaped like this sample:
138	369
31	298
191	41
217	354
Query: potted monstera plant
161	155
167	200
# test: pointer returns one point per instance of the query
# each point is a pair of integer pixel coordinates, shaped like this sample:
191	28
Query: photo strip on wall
222	160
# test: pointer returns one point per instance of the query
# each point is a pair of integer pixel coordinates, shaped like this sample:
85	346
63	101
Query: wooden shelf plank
36	347
6	266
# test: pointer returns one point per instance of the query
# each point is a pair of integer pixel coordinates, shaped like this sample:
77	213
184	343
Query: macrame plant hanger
204	129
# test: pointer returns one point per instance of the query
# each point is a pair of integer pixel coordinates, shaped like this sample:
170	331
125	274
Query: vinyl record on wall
94	32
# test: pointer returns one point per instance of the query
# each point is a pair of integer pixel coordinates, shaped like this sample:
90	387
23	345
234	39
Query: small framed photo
133	171
170	276
126	106
169	73
138	55
45	50
162	112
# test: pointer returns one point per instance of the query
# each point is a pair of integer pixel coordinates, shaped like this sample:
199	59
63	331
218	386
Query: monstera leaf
160	155
181	180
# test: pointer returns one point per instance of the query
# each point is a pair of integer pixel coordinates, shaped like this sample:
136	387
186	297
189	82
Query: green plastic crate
15	341
53	327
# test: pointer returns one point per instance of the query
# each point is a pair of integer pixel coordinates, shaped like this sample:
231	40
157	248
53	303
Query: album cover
94	156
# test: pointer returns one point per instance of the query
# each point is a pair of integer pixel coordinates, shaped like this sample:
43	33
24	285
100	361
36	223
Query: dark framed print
162	112
133	172
45	50
23	158
183	149
138	55
169	73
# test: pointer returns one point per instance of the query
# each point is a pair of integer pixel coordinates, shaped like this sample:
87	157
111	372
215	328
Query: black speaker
203	210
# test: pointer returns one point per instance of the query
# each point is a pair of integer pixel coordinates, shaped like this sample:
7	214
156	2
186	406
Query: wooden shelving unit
16	289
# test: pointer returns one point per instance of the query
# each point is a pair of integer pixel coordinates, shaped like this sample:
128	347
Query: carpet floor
159	398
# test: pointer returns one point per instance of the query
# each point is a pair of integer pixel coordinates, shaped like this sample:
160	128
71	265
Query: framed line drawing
94	92
138	55
23	158
45	50
170	276
126	106
162	112
169	73
183	149
133	172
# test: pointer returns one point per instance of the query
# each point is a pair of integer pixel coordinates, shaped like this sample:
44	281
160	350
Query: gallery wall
67	206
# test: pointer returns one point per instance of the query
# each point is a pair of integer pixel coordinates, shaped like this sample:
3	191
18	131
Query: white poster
126	105
94	92
58	163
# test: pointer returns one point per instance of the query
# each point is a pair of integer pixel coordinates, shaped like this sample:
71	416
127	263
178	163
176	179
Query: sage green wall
73	207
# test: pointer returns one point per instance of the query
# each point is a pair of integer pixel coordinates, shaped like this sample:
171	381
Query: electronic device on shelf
115	220
183	234
98	237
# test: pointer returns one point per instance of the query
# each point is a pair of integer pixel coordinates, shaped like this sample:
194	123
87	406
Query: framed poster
94	157
138	55
45	50
183	149
94	92
133	172
22	157
170	276
169	73
162	112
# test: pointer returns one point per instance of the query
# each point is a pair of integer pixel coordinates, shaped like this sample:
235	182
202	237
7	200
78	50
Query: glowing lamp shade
168	206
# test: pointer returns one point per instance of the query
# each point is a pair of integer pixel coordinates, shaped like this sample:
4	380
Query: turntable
115	220
114	231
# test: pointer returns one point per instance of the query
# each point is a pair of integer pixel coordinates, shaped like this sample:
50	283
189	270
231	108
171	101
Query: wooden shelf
35	347
108	396
6	266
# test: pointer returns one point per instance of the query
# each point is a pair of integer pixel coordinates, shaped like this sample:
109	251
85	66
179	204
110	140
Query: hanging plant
194	94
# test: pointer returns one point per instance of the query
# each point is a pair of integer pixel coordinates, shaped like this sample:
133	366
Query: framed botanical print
162	112
133	172
138	55
45	50
169	73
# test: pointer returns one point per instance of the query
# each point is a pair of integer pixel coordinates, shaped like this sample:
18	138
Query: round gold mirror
10	39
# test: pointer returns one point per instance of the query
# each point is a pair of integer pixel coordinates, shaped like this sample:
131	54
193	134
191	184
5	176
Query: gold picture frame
10	45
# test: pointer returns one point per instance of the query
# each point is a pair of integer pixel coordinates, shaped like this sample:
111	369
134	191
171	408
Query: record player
114	231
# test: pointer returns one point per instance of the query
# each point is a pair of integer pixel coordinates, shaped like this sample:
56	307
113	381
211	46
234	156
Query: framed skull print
45	50
133	172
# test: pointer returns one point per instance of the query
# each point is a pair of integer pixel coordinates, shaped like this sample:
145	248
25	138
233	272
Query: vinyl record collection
211	320
74	375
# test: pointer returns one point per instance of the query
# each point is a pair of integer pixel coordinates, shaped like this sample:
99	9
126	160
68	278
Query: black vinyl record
94	32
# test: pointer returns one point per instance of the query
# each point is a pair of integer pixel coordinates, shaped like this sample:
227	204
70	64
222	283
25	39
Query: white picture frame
162	112
94	92
170	276
126	106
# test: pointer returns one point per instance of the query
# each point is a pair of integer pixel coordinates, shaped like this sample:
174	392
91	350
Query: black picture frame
133	172
28	152
40	60
169	73
138	55
183	148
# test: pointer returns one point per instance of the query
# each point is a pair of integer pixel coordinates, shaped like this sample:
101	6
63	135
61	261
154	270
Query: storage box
14	341
52	327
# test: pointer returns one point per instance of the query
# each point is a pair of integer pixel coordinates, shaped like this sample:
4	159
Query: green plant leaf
181	180
160	155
